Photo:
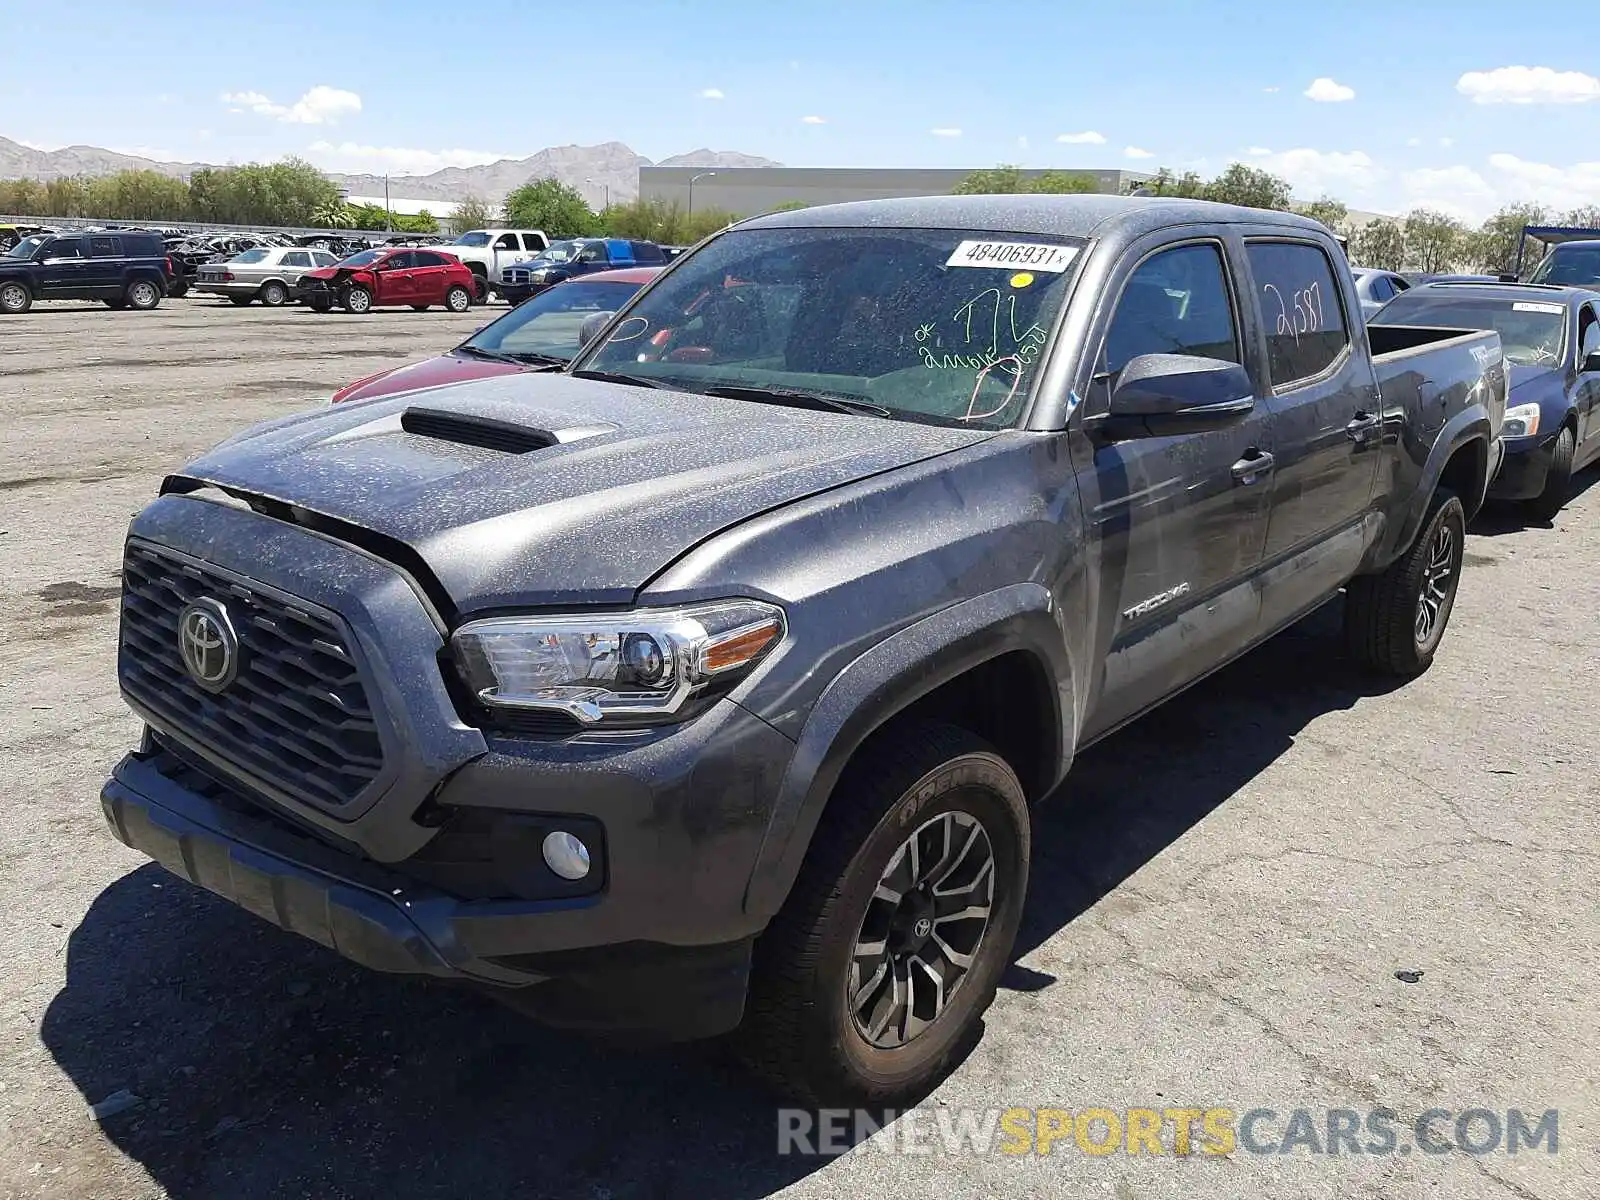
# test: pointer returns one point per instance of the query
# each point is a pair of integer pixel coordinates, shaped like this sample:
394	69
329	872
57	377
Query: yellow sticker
1021	279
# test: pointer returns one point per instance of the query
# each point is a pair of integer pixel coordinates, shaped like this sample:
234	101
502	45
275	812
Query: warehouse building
749	190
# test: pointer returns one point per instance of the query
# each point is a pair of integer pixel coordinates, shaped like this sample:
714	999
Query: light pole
692	178
607	187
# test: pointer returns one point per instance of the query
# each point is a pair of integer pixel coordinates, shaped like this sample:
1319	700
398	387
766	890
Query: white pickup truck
487	252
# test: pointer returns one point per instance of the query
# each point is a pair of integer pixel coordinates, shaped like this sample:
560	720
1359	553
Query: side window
507	241
1399	283
1301	307
594	252
1588	334
1381	288
403	261
532	242
103	247
1175	302
324	258
297	258
65	248
647	252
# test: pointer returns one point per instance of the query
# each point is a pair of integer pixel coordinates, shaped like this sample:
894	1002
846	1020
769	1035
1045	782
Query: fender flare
1470	425
883	682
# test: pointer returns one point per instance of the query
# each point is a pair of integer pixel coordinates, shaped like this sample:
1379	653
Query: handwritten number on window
1301	313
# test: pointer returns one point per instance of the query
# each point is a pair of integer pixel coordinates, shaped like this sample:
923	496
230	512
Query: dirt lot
1288	889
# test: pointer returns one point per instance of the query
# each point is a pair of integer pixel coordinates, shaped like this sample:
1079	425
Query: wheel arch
997	662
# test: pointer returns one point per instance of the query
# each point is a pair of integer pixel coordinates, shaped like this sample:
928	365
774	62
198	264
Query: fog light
566	855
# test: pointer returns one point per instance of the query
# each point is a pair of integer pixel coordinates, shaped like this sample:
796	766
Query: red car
539	334
389	279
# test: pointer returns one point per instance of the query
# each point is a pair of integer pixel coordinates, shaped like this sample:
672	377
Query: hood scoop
470	429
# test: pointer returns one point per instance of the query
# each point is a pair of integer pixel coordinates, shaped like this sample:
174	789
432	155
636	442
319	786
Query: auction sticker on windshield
1531	306
1036	256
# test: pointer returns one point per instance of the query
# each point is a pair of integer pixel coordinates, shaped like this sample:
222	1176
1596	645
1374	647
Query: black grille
296	717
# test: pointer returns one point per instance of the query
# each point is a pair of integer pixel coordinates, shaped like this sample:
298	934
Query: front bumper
1524	468
385	920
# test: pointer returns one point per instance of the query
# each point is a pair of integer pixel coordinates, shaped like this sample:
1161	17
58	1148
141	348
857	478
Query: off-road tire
798	1032
1558	479
1381	611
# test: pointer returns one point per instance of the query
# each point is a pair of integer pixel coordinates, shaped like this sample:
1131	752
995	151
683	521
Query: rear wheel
273	294
358	300
458	299
889	948
1558	480
15	298
1394	622
143	295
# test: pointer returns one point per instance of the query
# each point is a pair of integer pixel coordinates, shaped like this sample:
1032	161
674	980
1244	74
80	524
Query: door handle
1253	466
1363	425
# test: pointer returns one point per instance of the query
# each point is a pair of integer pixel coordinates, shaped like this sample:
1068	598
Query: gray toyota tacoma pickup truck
705	685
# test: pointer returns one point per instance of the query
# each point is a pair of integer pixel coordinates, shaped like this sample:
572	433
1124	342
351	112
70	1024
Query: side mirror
1161	395
1591	363
591	327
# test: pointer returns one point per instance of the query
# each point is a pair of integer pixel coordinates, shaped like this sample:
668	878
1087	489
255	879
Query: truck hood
628	479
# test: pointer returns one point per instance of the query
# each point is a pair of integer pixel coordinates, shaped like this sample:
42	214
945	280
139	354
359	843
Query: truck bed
1439	367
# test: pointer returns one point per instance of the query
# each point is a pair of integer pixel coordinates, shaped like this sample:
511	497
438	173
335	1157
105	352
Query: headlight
1520	421
640	667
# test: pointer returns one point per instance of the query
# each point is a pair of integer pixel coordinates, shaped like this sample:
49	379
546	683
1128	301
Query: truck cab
487	252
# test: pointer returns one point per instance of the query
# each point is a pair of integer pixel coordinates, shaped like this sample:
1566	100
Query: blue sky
1418	102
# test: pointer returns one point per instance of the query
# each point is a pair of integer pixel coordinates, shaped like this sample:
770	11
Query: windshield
365	259
1569	264
1532	332
476	238
250	256
26	247
935	325
559	252
547	325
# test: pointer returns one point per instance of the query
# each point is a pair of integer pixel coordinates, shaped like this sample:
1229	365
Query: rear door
431	275
103	272
1180	521
294	264
1328	427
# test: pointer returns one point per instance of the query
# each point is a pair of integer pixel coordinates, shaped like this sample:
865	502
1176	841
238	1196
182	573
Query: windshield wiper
493	355
798	398
618	377
546	362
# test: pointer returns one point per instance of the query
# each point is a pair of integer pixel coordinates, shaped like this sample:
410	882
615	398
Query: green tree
1188	186
1435	241
1380	244
1329	211
999	181
472	213
1062	183
1250	187
789	206
552	206
1494	246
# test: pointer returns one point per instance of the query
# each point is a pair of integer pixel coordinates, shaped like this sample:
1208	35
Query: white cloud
350	156
1312	172
1447	142
1414	141
945	132
1270	90
813	120
1325	91
321	105
1136	152
1087	138
1459	191
712	94
1258	151
1528	85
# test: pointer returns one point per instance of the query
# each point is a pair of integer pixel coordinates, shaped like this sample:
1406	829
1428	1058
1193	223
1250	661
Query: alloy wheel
143	295
13	297
1434	598
922	930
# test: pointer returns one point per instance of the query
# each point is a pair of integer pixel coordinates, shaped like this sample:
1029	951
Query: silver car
267	274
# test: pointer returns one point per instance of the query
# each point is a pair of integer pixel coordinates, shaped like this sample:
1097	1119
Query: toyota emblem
208	645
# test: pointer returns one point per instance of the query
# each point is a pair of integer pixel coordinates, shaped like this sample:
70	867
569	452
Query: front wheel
357	300
1394	621
143	295
889	948
1558	479
458	299
15	298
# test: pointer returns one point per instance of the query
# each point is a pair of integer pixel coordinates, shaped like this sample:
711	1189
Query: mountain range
586	168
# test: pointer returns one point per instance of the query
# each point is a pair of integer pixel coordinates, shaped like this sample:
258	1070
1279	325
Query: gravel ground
1287	889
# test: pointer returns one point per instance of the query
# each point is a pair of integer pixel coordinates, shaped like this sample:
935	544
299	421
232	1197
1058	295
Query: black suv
124	268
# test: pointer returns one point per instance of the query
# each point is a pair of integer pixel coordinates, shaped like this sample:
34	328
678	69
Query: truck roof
1077	216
